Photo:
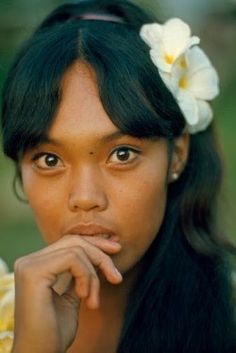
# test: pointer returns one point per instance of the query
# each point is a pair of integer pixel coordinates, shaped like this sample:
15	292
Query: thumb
65	289
63	283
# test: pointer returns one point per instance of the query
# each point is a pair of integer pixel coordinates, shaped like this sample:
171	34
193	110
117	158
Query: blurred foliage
213	20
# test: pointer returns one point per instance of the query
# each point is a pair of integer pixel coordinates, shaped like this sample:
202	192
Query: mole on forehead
91	153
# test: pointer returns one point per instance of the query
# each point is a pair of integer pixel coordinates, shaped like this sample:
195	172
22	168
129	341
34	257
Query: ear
179	156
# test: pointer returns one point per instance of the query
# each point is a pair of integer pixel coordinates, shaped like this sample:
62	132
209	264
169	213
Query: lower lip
109	237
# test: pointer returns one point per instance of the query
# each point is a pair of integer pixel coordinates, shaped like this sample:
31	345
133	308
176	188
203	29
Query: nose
86	191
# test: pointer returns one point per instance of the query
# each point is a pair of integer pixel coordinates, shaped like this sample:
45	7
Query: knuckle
84	279
105	265
106	262
23	268
20	264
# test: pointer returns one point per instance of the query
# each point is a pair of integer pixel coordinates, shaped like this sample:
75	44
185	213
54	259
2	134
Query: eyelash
37	157
128	149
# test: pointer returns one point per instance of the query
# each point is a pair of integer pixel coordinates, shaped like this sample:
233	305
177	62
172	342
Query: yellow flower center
183	83
183	63
169	59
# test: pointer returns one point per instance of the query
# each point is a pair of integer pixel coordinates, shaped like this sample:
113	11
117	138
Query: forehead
80	109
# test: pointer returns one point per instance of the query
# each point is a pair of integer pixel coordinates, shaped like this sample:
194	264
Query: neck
112	298
100	329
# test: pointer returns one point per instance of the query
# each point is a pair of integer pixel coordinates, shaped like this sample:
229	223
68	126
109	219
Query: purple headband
100	17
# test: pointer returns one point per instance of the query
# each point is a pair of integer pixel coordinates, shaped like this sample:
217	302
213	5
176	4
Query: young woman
120	166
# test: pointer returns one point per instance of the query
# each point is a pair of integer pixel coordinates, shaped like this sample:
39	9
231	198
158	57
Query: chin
126	264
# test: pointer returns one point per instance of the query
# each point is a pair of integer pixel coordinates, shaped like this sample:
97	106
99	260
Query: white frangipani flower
6	339
3	267
193	82
185	69
7	311
167	42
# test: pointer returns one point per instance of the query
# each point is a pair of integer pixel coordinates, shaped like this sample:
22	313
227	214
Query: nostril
87	192
82	204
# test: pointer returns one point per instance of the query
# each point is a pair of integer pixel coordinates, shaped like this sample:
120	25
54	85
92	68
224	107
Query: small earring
174	176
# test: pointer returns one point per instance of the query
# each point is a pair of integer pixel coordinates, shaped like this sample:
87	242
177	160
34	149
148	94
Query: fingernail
114	238
117	272
114	243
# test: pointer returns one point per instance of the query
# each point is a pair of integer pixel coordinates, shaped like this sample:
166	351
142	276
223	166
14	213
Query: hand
46	322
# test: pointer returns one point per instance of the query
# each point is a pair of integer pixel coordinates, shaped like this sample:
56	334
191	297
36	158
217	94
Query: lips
92	230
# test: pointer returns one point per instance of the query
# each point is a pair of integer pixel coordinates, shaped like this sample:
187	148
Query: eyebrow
104	139
113	136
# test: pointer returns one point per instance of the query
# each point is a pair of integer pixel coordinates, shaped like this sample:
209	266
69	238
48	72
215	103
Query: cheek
46	203
142	211
146	208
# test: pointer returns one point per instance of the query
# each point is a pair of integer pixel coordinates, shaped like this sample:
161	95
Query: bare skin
99	198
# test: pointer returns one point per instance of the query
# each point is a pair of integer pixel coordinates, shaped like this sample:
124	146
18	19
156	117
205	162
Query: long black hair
182	299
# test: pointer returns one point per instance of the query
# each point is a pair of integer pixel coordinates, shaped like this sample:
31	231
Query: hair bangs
132	91
135	99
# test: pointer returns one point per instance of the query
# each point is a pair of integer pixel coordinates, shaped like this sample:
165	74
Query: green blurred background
213	20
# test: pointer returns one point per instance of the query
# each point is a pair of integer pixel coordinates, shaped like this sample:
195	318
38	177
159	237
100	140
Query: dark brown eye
47	161
123	155
51	160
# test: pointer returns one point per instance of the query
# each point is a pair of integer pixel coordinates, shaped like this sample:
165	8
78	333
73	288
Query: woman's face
88	173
